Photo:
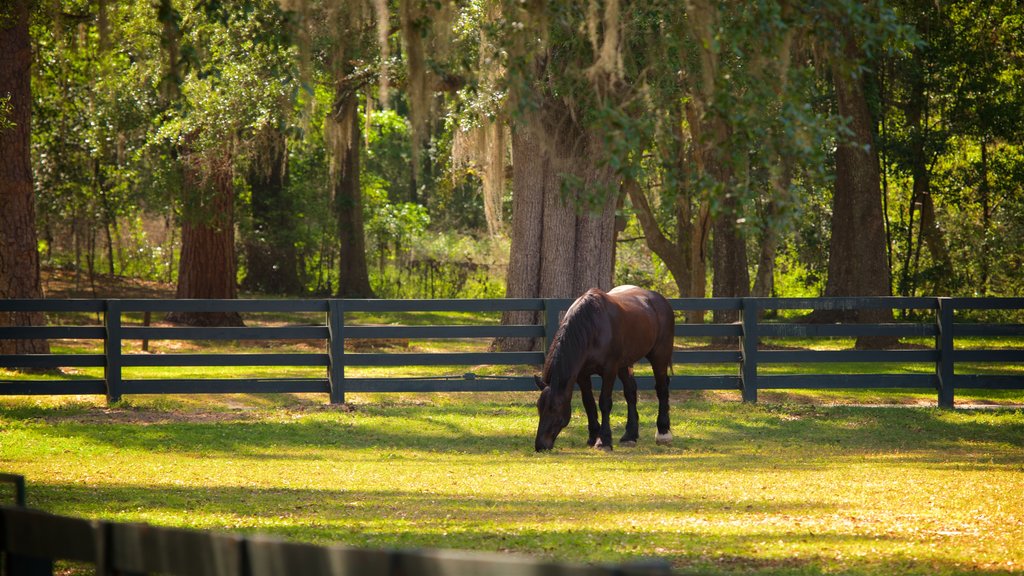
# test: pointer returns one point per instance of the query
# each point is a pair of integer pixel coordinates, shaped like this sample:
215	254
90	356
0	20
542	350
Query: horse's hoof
602	446
627	443
663	439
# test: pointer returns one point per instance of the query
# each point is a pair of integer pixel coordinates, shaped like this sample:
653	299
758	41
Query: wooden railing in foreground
941	358
31	541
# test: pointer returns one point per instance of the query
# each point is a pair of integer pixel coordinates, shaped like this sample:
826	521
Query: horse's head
554	410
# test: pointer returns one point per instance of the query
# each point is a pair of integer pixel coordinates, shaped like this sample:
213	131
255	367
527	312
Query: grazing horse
605	333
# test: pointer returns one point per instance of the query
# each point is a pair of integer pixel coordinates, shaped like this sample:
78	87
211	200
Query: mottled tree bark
207	266
858	262
563	237
270	256
19	253
354	276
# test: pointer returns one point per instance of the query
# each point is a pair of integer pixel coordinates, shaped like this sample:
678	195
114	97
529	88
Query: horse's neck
567	356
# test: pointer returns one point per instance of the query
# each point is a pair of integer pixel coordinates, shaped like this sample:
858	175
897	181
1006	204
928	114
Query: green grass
767	489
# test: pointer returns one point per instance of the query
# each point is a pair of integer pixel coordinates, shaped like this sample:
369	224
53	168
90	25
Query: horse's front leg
632	419
661	386
587	395
607	383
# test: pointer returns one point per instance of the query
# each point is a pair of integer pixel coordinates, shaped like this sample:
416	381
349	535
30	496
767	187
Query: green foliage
115	117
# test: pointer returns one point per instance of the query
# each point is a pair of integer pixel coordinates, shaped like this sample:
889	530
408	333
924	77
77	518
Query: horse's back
647	320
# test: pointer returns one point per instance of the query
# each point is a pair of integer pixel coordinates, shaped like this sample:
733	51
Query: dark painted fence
31	540
940	324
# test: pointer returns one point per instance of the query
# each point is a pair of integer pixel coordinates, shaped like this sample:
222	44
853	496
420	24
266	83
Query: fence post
944	347
748	350
336	349
17	481
112	350
550	322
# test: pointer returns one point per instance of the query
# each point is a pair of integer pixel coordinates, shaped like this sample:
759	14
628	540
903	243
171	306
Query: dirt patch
59	283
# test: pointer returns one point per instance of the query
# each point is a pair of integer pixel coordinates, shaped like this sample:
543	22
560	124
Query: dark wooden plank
225	386
706	357
988	330
449	384
989	381
859	381
688	304
142	548
814	356
51	360
112	349
39	534
51	332
445	359
50	305
51	387
690	382
944	364
786	330
336	351
445	305
988	303
847	303
226	333
214	305
136	360
1002	355
273	557
708	330
454	331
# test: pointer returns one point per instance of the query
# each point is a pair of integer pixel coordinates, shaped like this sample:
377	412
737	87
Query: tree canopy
487	147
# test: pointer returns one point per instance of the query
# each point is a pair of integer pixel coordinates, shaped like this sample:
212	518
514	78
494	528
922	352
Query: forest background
491	148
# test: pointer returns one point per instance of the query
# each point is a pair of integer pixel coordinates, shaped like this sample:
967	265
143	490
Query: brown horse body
605	334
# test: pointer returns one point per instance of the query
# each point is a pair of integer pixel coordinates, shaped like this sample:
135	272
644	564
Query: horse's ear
540	383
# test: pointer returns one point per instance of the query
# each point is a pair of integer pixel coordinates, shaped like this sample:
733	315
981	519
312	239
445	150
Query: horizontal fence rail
31	540
751	358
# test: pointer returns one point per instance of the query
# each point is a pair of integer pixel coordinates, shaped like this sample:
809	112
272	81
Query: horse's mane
573	338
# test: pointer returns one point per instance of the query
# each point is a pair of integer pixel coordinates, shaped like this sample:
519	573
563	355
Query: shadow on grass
546	525
734	434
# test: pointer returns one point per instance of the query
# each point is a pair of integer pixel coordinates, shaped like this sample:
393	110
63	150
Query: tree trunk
685	258
207	265
522	279
19	252
343	129
730	276
563	237
858	264
271	258
730	279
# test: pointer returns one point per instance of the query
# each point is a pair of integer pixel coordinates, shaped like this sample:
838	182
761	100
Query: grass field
773	488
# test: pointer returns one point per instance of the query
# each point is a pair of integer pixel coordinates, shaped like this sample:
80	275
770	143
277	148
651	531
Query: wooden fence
939	325
31	540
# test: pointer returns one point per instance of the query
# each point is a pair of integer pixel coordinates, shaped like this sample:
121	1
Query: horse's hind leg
661	386
607	384
587	395
632	420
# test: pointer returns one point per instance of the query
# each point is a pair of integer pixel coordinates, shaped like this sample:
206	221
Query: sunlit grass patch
774	488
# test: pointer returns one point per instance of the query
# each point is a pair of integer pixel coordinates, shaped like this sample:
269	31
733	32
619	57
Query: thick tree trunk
685	258
343	127
207	265
19	253
730	278
523	277
858	264
271	259
563	238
